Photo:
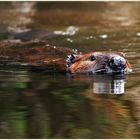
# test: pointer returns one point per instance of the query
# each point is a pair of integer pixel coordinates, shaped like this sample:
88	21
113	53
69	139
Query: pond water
44	105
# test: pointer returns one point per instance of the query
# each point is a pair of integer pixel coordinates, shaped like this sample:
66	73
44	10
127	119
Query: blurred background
63	14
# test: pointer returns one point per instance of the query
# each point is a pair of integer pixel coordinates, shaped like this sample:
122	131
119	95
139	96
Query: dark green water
43	105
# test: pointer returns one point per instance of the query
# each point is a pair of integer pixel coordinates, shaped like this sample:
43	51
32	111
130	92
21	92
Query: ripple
90	37
69	40
104	36
71	30
138	34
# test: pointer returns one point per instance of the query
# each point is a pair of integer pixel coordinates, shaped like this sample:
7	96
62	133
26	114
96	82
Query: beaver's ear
77	57
122	54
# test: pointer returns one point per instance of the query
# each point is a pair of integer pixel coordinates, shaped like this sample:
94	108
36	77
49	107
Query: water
43	105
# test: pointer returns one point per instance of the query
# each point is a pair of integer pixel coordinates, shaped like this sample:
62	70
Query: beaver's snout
117	63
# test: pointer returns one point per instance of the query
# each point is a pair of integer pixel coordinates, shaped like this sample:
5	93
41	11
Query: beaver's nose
117	63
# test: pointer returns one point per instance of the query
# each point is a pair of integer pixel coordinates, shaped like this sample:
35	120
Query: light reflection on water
48	99
109	85
37	103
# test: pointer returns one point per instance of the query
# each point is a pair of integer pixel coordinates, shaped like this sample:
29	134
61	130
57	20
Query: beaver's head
98	62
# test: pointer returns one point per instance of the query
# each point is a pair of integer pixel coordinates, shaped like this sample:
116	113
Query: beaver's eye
92	58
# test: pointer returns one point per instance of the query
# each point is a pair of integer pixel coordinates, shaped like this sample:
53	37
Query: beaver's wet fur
41	56
99	62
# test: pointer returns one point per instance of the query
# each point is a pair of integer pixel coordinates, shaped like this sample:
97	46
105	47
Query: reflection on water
42	105
37	105
109	84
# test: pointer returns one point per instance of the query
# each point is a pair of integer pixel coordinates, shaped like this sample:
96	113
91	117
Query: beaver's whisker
101	70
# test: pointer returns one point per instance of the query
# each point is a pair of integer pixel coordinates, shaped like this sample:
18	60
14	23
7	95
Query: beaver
98	62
